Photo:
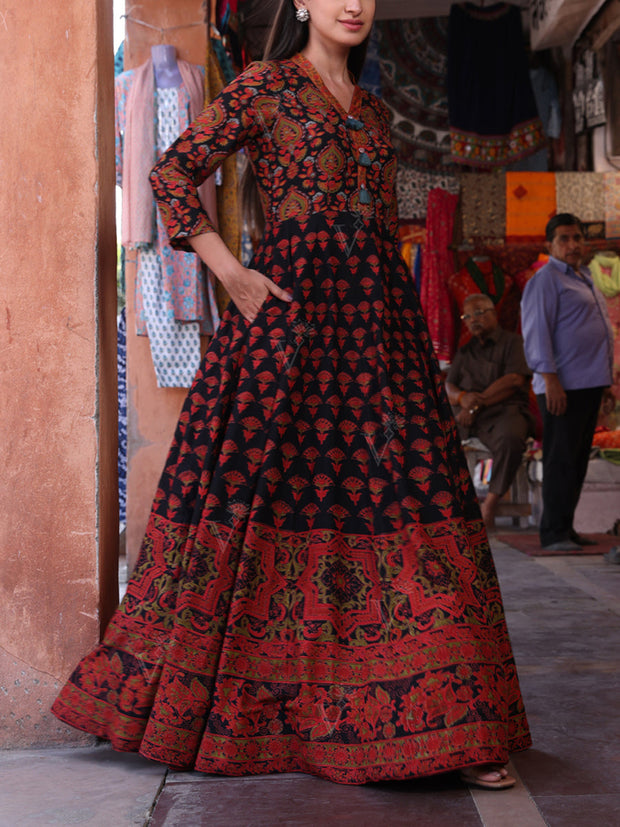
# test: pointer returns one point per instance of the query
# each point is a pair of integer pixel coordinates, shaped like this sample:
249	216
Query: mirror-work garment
492	110
315	590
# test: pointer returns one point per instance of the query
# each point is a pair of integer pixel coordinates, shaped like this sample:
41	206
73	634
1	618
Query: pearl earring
303	15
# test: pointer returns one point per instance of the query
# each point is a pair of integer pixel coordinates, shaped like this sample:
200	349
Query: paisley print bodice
310	157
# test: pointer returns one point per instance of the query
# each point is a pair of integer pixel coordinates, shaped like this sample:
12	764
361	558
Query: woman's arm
228	123
247	288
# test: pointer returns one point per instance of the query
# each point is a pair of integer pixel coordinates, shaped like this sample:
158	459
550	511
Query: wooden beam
604	25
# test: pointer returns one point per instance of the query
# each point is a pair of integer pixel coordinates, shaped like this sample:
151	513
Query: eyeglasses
476	314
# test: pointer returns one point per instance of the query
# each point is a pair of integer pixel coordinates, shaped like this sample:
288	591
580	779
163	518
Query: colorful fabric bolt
530	203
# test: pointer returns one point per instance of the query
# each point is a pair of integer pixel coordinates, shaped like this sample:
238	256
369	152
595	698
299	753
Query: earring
302	14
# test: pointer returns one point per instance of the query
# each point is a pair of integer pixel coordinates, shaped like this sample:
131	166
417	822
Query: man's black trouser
567	441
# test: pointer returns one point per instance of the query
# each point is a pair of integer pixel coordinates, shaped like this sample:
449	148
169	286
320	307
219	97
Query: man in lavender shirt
568	343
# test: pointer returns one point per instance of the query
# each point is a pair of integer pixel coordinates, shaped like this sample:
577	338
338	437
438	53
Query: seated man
487	385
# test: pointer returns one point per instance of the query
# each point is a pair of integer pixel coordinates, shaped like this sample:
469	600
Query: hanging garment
371	73
612	204
483	204
315	591
523	276
492	110
605	269
119	59
413	188
138	151
121	371
437	266
413	62
581	192
417	268
175	345
172	306
546	95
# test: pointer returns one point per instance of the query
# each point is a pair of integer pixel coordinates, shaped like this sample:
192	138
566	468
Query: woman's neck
332	66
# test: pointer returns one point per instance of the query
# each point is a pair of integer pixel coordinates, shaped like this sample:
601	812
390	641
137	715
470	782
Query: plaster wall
58	499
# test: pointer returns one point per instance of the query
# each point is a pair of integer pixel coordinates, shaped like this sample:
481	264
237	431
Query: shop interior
471	217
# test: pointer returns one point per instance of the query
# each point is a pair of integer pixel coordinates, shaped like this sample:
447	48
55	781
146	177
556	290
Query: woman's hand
248	289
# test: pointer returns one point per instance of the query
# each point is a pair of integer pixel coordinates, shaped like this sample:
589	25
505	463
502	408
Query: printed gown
315	590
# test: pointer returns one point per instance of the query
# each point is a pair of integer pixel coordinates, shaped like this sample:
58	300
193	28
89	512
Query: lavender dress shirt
566	328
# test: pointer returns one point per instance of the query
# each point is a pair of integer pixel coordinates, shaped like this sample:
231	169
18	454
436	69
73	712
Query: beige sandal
474	777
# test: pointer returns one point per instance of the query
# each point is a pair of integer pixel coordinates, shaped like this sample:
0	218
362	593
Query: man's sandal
476	777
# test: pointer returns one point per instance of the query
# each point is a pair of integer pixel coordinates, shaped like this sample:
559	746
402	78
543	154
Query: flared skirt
315	590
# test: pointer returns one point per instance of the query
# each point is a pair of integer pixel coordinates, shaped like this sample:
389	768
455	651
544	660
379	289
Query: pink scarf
139	153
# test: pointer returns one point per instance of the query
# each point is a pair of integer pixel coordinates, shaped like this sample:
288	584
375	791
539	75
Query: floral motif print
315	591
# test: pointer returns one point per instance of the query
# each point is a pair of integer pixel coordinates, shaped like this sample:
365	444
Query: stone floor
564	618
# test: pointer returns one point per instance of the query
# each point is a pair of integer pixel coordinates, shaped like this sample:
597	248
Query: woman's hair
286	37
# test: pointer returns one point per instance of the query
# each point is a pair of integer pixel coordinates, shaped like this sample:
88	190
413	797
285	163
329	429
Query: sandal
474	777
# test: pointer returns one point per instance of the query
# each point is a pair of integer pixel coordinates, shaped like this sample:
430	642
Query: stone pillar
58	493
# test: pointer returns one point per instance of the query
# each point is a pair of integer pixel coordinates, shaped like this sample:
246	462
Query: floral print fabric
315	591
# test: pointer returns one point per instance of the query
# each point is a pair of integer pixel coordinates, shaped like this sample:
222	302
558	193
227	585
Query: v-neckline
312	72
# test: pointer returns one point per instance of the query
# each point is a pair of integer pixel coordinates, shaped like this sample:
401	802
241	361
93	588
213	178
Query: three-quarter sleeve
223	127
389	174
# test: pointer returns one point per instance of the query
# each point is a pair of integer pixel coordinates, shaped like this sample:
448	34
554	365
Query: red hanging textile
437	267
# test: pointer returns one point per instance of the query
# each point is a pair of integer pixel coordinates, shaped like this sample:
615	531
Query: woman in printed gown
315	590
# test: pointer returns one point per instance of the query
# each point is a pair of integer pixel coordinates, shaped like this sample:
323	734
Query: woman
315	590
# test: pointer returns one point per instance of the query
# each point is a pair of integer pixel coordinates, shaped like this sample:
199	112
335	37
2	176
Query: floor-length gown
315	590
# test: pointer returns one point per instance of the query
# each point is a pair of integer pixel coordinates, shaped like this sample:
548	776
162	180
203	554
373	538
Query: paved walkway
564	618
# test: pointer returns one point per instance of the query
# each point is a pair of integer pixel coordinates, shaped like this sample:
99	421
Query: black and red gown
315	590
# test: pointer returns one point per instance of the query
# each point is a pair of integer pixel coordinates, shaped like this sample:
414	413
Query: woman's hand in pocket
248	289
